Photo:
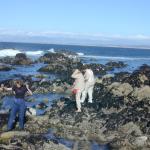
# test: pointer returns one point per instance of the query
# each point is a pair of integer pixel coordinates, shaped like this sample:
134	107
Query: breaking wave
13	52
80	54
9	52
33	53
51	50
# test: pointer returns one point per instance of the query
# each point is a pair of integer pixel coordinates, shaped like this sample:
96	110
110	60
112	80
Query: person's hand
2	85
27	86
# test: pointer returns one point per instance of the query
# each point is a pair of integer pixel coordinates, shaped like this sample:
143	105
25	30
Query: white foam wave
33	53
9	52
52	50
115	58
80	54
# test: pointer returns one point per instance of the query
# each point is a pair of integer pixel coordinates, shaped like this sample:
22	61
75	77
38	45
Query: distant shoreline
108	46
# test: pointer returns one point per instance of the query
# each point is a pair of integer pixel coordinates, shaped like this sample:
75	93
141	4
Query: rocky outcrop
19	59
142	93
56	68
22	59
53	57
111	65
7	60
119	89
139	77
4	67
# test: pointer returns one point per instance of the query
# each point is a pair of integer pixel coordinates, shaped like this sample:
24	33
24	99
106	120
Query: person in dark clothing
19	107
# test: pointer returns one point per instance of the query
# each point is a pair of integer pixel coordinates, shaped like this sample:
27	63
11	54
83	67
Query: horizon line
109	46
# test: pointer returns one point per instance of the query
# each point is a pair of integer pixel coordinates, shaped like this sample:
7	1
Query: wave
9	52
52	50
33	53
80	54
13	52
115	58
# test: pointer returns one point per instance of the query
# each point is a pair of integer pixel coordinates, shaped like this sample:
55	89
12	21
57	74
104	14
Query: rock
140	141
59	64
139	77
142	93
67	53
4	67
53	57
8	135
7	60
54	68
130	128
113	64
119	89
21	59
106	79
53	146
121	77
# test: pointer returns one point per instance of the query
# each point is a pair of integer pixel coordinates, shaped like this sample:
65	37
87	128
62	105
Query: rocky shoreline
118	118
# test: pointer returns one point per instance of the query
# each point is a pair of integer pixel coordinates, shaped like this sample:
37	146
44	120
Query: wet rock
67	53
22	59
7	60
111	65
59	64
139	77
121	76
19	59
54	68
53	57
4	67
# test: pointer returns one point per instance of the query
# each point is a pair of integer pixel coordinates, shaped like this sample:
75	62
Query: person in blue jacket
18	107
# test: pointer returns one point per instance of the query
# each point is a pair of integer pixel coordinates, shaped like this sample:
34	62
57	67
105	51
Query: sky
87	22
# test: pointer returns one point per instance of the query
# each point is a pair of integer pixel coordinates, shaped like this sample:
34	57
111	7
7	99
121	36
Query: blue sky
76	21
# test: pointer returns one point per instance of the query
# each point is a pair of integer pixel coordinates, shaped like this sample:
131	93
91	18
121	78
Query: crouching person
19	107
78	87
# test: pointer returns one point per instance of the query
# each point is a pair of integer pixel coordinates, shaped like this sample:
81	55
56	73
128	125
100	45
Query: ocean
89	54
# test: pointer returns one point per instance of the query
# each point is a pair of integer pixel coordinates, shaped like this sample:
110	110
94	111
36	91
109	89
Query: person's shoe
81	101
78	110
7	130
21	129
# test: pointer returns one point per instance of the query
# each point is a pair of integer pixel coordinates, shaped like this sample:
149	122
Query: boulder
22	59
119	89
140	141
142	93
139	77
4	67
7	60
54	68
11	134
113	64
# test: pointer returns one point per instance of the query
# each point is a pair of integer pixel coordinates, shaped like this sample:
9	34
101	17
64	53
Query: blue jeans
19	108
